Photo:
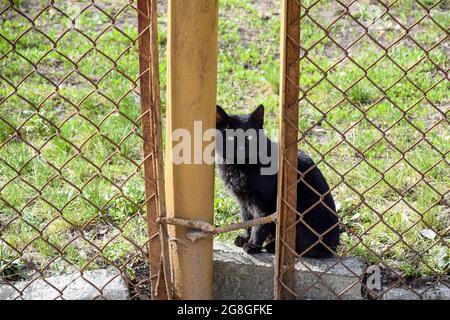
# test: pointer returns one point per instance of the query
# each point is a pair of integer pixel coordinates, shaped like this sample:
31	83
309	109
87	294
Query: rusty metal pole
287	182
153	159
191	96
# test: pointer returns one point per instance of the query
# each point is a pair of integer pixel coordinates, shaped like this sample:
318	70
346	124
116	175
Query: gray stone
330	278
98	284
238	275
437	291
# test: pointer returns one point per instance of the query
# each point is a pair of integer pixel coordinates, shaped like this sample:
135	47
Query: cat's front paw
270	247
240	241
251	248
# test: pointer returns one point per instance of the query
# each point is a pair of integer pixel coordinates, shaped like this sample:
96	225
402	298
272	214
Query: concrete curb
437	291
112	287
238	276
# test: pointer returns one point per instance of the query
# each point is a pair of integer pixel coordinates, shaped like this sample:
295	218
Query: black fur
256	194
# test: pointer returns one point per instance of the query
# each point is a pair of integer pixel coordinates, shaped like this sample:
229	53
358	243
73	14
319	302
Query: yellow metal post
191	96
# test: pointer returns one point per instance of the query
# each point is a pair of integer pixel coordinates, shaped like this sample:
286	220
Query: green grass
344	123
81	174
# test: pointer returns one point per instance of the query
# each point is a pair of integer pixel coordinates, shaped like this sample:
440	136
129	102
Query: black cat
257	192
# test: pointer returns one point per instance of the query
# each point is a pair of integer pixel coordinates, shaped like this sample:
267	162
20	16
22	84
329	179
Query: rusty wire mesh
72	196
347	32
72	188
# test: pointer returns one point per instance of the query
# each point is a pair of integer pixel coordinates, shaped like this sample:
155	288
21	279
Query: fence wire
72	200
77	86
367	37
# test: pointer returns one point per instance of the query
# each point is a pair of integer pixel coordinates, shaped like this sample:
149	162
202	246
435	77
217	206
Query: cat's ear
221	116
257	116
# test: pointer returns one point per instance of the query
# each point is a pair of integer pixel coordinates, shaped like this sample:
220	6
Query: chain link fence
80	139
368	107
77	82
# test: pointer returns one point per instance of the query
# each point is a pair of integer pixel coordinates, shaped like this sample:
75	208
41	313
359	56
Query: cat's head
240	134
